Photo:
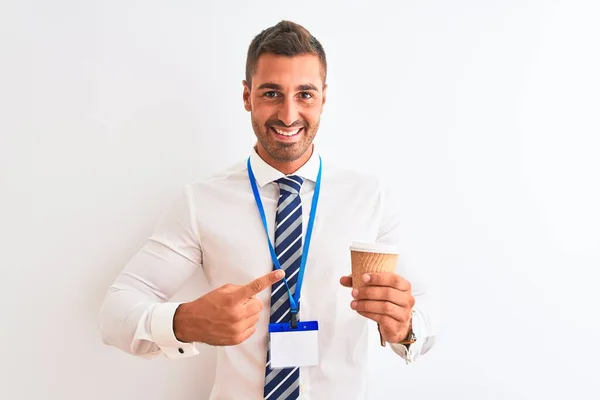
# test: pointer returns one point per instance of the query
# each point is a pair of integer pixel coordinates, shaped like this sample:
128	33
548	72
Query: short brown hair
286	38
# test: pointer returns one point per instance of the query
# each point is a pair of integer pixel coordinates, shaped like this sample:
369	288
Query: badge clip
294	321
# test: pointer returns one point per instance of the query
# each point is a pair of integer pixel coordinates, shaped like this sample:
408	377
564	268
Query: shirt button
181	350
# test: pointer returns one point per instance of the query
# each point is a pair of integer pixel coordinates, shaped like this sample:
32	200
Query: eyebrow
309	86
275	86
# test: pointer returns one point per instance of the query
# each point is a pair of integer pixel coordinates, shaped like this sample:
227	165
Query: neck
285	167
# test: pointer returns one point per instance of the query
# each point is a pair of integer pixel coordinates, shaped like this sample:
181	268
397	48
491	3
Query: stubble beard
284	152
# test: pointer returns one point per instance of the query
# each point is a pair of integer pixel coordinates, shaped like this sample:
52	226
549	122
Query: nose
288	112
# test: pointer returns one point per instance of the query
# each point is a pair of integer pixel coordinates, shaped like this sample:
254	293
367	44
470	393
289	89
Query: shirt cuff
161	328
413	351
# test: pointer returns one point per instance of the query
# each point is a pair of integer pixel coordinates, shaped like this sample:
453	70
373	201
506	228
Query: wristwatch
410	337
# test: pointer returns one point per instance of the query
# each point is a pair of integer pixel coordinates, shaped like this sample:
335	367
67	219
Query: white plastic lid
374	247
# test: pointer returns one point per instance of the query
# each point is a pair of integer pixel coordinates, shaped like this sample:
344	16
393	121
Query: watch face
411	337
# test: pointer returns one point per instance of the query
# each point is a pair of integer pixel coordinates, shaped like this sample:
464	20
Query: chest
234	242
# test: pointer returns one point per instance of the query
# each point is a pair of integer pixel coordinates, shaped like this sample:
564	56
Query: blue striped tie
283	384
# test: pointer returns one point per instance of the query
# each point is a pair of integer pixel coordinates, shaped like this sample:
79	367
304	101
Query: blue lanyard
295	298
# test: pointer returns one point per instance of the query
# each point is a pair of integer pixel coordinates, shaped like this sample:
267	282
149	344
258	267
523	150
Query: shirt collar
264	173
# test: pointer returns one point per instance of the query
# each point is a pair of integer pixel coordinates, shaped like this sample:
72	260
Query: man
284	211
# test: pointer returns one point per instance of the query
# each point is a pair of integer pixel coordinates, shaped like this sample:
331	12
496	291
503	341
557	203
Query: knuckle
238	313
388	307
373	279
256	285
404	318
227	318
390	292
242	336
229	289
391	323
259	307
376	293
251	322
254	309
237	339
232	313
236	329
363	293
229	334
272	278
399	326
249	332
257	303
378	278
361	306
229	301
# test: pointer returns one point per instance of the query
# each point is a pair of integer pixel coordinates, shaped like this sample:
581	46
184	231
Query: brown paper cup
370	258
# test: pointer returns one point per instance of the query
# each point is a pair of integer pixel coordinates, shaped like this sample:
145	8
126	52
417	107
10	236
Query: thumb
346	281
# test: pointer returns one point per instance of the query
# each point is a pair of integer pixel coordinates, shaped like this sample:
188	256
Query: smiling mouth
286	133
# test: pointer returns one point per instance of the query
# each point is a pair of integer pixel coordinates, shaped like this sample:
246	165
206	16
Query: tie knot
290	184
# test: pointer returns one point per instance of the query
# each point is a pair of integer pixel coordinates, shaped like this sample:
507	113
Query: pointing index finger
259	284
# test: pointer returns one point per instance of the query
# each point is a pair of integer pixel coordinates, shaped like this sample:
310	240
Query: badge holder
294	343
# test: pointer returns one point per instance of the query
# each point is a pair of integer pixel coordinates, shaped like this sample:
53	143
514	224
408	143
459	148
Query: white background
483	113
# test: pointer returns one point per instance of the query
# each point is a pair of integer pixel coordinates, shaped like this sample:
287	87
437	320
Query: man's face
285	101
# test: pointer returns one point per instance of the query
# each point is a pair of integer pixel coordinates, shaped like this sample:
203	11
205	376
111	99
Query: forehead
288	71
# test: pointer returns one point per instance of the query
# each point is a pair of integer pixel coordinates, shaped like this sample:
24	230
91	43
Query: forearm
131	322
125	320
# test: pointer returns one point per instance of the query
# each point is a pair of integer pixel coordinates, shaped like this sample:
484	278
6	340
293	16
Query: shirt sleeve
425	308
136	315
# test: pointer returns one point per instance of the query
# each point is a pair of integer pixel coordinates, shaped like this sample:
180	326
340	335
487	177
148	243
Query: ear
324	96
246	96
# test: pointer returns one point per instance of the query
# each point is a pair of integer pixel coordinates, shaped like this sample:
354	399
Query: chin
286	156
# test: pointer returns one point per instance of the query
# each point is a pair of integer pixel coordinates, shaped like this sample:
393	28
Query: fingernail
366	278
353	305
279	273
355	293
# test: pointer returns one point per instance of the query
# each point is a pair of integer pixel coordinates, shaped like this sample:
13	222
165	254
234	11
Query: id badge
294	347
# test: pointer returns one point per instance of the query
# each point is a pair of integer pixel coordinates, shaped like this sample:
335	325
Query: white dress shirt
214	225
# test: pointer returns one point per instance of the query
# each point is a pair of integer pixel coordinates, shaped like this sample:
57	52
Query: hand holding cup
379	293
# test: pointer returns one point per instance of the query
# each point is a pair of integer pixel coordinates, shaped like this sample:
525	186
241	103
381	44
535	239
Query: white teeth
292	133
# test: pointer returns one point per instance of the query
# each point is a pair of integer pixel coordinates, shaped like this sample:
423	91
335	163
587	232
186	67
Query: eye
306	96
271	95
